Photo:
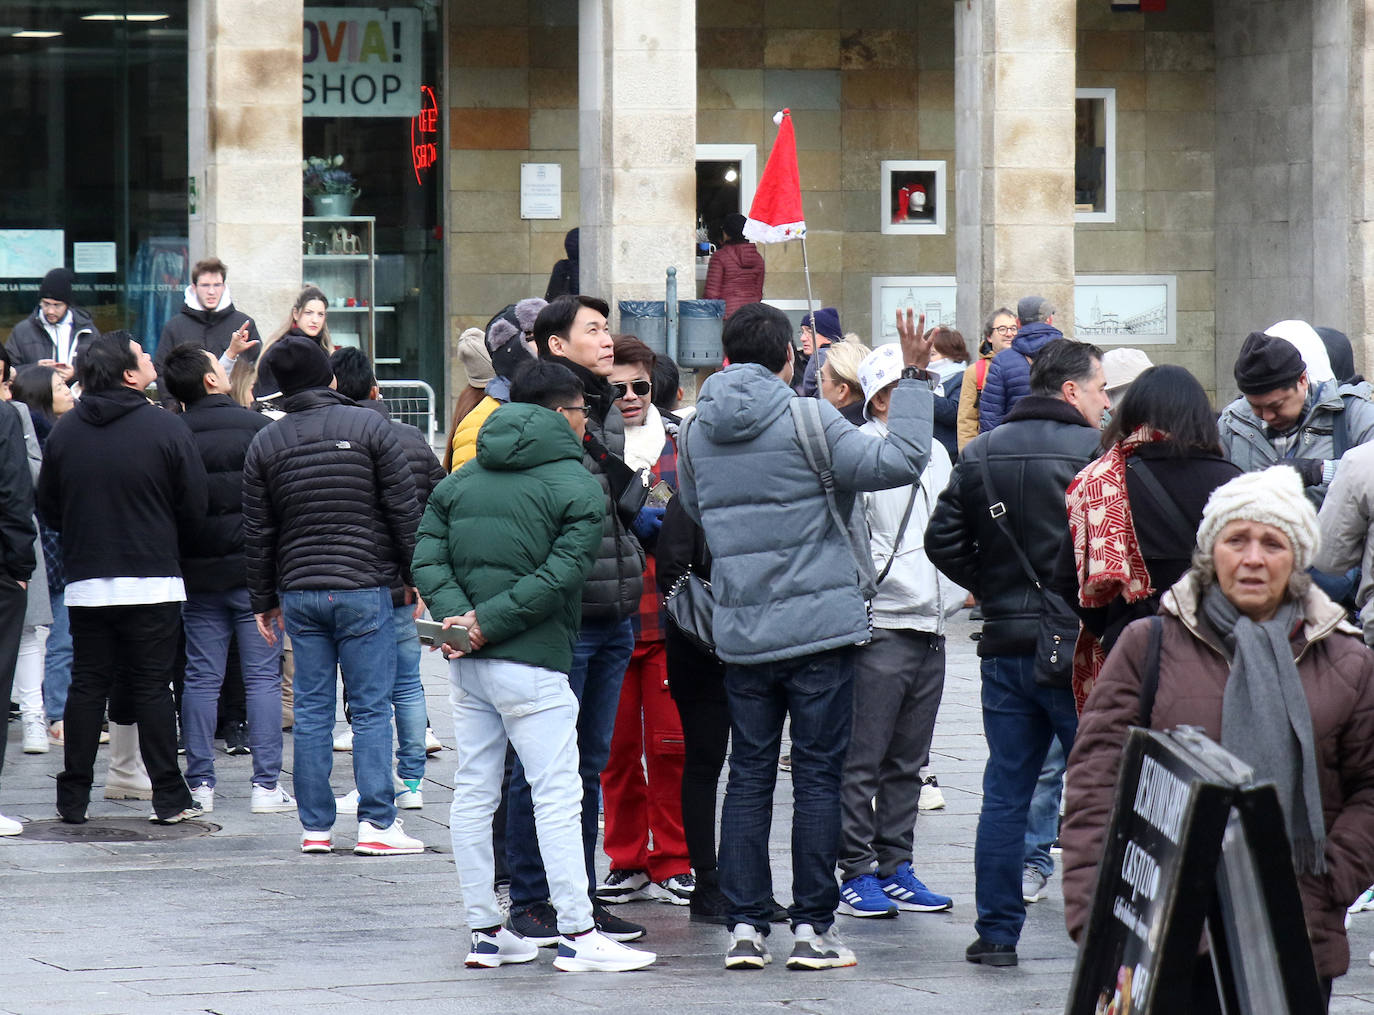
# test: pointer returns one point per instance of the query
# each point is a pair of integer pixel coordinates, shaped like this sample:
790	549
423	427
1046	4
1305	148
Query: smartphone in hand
433	633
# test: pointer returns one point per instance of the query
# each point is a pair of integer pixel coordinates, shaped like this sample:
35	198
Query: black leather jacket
1033	457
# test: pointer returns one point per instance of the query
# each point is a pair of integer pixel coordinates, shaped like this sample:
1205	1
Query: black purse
690	604
1059	624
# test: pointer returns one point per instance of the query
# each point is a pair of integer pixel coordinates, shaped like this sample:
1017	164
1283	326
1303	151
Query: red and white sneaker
390	841
317	842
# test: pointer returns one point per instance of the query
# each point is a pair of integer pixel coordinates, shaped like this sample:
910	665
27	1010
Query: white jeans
494	700
28	672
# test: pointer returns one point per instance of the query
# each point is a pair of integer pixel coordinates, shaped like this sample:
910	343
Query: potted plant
331	189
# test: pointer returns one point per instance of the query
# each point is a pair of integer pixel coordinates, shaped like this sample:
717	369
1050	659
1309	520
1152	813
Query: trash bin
647	320
700	323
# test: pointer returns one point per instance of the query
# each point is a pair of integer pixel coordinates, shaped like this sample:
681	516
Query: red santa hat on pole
776	214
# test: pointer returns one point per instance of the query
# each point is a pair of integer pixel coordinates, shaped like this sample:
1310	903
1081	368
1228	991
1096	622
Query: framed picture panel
1125	309
913	198
932	295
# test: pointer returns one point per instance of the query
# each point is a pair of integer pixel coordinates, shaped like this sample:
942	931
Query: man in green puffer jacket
504	548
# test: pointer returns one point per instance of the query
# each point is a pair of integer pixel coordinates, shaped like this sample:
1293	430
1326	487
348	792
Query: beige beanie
472	353
1274	497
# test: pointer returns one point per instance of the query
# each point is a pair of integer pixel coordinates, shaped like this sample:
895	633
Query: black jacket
209	329
121	480
1033	457
16	502
1189	481
30	342
212	552
617	580
425	470
328	500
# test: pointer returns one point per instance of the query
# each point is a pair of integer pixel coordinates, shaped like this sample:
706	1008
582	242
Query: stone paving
238	921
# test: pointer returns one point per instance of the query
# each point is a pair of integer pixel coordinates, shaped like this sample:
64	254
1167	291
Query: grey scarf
1265	720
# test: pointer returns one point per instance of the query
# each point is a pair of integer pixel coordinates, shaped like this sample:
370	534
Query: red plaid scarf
1105	548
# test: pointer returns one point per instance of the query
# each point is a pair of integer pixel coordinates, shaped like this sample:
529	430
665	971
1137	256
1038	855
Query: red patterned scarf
1105	548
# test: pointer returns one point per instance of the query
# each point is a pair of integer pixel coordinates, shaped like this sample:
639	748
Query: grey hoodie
785	581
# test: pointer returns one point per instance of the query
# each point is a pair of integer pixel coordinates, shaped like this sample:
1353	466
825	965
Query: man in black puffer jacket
217	604
329	515
572	330
1047	438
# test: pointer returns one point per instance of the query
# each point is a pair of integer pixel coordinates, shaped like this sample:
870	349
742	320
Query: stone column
244	147
637	140
1014	153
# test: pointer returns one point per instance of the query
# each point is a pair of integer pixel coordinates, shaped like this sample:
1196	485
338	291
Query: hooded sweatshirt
785	580
513	535
121	479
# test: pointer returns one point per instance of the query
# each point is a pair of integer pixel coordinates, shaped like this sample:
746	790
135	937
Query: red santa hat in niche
910	199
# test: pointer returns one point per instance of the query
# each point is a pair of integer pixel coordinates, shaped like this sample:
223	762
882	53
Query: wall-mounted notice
361	61
541	190
30	253
93	258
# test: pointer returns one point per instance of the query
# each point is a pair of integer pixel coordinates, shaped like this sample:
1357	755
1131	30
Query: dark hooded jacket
1008	379
30	342
210	329
565	278
513	535
121	480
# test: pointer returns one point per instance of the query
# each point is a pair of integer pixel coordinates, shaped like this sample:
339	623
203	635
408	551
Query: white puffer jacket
914	596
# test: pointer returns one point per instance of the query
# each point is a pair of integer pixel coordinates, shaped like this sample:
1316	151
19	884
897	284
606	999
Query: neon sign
424	153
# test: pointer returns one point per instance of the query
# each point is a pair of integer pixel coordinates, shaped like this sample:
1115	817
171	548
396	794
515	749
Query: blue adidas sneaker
906	890
863	896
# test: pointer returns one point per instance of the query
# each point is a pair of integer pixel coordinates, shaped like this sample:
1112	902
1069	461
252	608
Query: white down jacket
914	596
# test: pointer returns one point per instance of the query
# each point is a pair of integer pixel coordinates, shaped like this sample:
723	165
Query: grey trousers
898	681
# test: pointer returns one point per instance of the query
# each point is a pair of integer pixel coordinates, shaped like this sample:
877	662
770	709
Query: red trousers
642	781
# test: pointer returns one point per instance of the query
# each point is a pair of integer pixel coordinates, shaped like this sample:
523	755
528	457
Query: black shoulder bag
1058	623
691	602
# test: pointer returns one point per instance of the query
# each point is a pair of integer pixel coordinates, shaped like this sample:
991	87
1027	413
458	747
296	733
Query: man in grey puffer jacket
788	609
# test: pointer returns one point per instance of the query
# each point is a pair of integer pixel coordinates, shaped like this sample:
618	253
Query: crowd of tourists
633	594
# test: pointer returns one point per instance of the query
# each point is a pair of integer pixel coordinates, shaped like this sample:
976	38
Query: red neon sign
424	152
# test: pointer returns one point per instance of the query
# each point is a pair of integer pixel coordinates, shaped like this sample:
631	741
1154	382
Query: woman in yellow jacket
998	331
490	360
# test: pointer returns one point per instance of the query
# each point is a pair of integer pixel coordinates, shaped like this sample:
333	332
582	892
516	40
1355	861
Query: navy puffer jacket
1008	378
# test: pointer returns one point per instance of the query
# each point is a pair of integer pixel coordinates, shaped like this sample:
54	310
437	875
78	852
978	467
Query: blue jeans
209	619
351	630
817	690
1042	820
57	666
408	697
600	656
1019	720
495	700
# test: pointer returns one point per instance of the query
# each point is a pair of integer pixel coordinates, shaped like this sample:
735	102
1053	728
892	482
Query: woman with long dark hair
309	318
1161	460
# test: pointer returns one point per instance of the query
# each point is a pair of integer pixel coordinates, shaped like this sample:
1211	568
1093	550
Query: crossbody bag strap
1168	507
806	416
901	531
998	510
1149	679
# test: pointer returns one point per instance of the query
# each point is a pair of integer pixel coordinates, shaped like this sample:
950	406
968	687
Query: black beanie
298	363
57	285
1266	363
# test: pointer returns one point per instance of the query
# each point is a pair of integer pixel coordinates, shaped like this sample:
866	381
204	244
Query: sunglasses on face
640	388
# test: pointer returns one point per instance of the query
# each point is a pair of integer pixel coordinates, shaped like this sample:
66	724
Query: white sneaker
344	741
1033	885
317	842
432	743
204	796
931	799
35	735
347	804
748	949
8	826
503	948
193	811
819	951
594	952
271	801
390	841
409	797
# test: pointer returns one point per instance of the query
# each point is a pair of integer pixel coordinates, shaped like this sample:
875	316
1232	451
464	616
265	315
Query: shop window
726	174
1094	169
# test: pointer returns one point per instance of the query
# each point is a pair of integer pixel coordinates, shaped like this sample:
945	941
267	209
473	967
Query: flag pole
806	270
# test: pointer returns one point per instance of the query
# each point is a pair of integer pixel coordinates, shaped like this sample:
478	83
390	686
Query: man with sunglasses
56	332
